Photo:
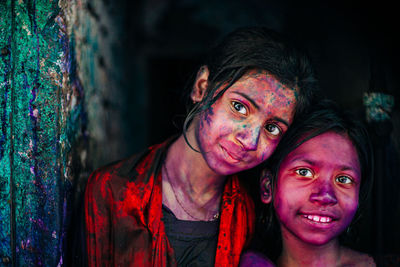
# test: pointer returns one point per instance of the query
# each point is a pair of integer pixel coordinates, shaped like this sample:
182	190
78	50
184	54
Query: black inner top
194	242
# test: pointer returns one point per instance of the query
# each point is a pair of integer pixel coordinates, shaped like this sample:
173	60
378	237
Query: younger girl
321	169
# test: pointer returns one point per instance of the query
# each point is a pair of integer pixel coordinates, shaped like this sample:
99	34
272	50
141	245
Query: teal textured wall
42	117
60	117
5	130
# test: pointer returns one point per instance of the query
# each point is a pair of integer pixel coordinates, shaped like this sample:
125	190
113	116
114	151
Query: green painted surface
54	80
35	126
42	116
5	130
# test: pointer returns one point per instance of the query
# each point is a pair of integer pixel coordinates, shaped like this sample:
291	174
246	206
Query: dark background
155	46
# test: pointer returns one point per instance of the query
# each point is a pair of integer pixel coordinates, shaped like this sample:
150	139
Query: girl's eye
273	129
239	107
304	172
344	180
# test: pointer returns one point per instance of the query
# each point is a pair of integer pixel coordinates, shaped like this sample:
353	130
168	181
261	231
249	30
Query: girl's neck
189	185
189	167
298	253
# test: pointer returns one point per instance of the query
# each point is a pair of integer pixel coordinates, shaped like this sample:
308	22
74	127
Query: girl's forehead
260	75
263	83
330	147
256	73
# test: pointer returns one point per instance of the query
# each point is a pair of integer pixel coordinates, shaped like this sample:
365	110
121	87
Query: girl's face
317	189
243	127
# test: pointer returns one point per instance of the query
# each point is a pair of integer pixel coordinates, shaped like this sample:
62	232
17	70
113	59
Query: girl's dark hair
255	48
323	117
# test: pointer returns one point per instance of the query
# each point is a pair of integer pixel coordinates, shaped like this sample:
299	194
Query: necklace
216	215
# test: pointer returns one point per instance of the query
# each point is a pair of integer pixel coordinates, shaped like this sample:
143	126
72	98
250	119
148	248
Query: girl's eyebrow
349	168
248	98
282	121
300	158
258	107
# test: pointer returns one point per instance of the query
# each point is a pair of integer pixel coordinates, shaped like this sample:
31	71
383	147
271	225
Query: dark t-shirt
194	242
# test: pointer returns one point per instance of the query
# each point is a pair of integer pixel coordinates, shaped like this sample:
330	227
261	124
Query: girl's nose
324	195
249	137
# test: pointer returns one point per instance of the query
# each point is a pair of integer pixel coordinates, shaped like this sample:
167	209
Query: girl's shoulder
354	258
255	259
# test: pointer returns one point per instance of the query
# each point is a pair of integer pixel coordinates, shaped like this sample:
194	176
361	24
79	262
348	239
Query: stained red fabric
123	210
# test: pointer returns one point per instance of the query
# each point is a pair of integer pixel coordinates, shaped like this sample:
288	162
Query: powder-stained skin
317	189
243	127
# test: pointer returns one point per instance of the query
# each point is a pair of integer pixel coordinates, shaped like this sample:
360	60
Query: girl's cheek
208	116
268	147
265	155
352	211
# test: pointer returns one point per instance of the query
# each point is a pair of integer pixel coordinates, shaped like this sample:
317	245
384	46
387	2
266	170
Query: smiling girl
320	171
178	203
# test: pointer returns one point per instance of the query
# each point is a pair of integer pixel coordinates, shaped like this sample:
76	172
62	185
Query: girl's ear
265	187
200	84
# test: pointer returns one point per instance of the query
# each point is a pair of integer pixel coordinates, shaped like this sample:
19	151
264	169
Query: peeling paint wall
5	133
59	107
32	59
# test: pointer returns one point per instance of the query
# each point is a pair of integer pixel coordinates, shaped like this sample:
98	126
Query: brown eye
304	172
273	129
239	107
344	180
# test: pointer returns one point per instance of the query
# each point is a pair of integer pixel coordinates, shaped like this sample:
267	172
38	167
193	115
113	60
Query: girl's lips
231	157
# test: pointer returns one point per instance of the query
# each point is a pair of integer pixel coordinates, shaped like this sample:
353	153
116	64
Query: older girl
179	202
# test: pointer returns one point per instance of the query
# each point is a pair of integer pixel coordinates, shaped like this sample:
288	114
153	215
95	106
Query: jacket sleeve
98	204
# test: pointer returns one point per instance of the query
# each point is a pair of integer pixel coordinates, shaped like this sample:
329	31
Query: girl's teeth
316	218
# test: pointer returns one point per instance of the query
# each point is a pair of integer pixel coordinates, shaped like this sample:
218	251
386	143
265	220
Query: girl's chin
221	167
318	240
226	170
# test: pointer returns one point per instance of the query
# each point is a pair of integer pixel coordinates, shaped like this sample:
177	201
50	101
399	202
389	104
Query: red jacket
123	210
